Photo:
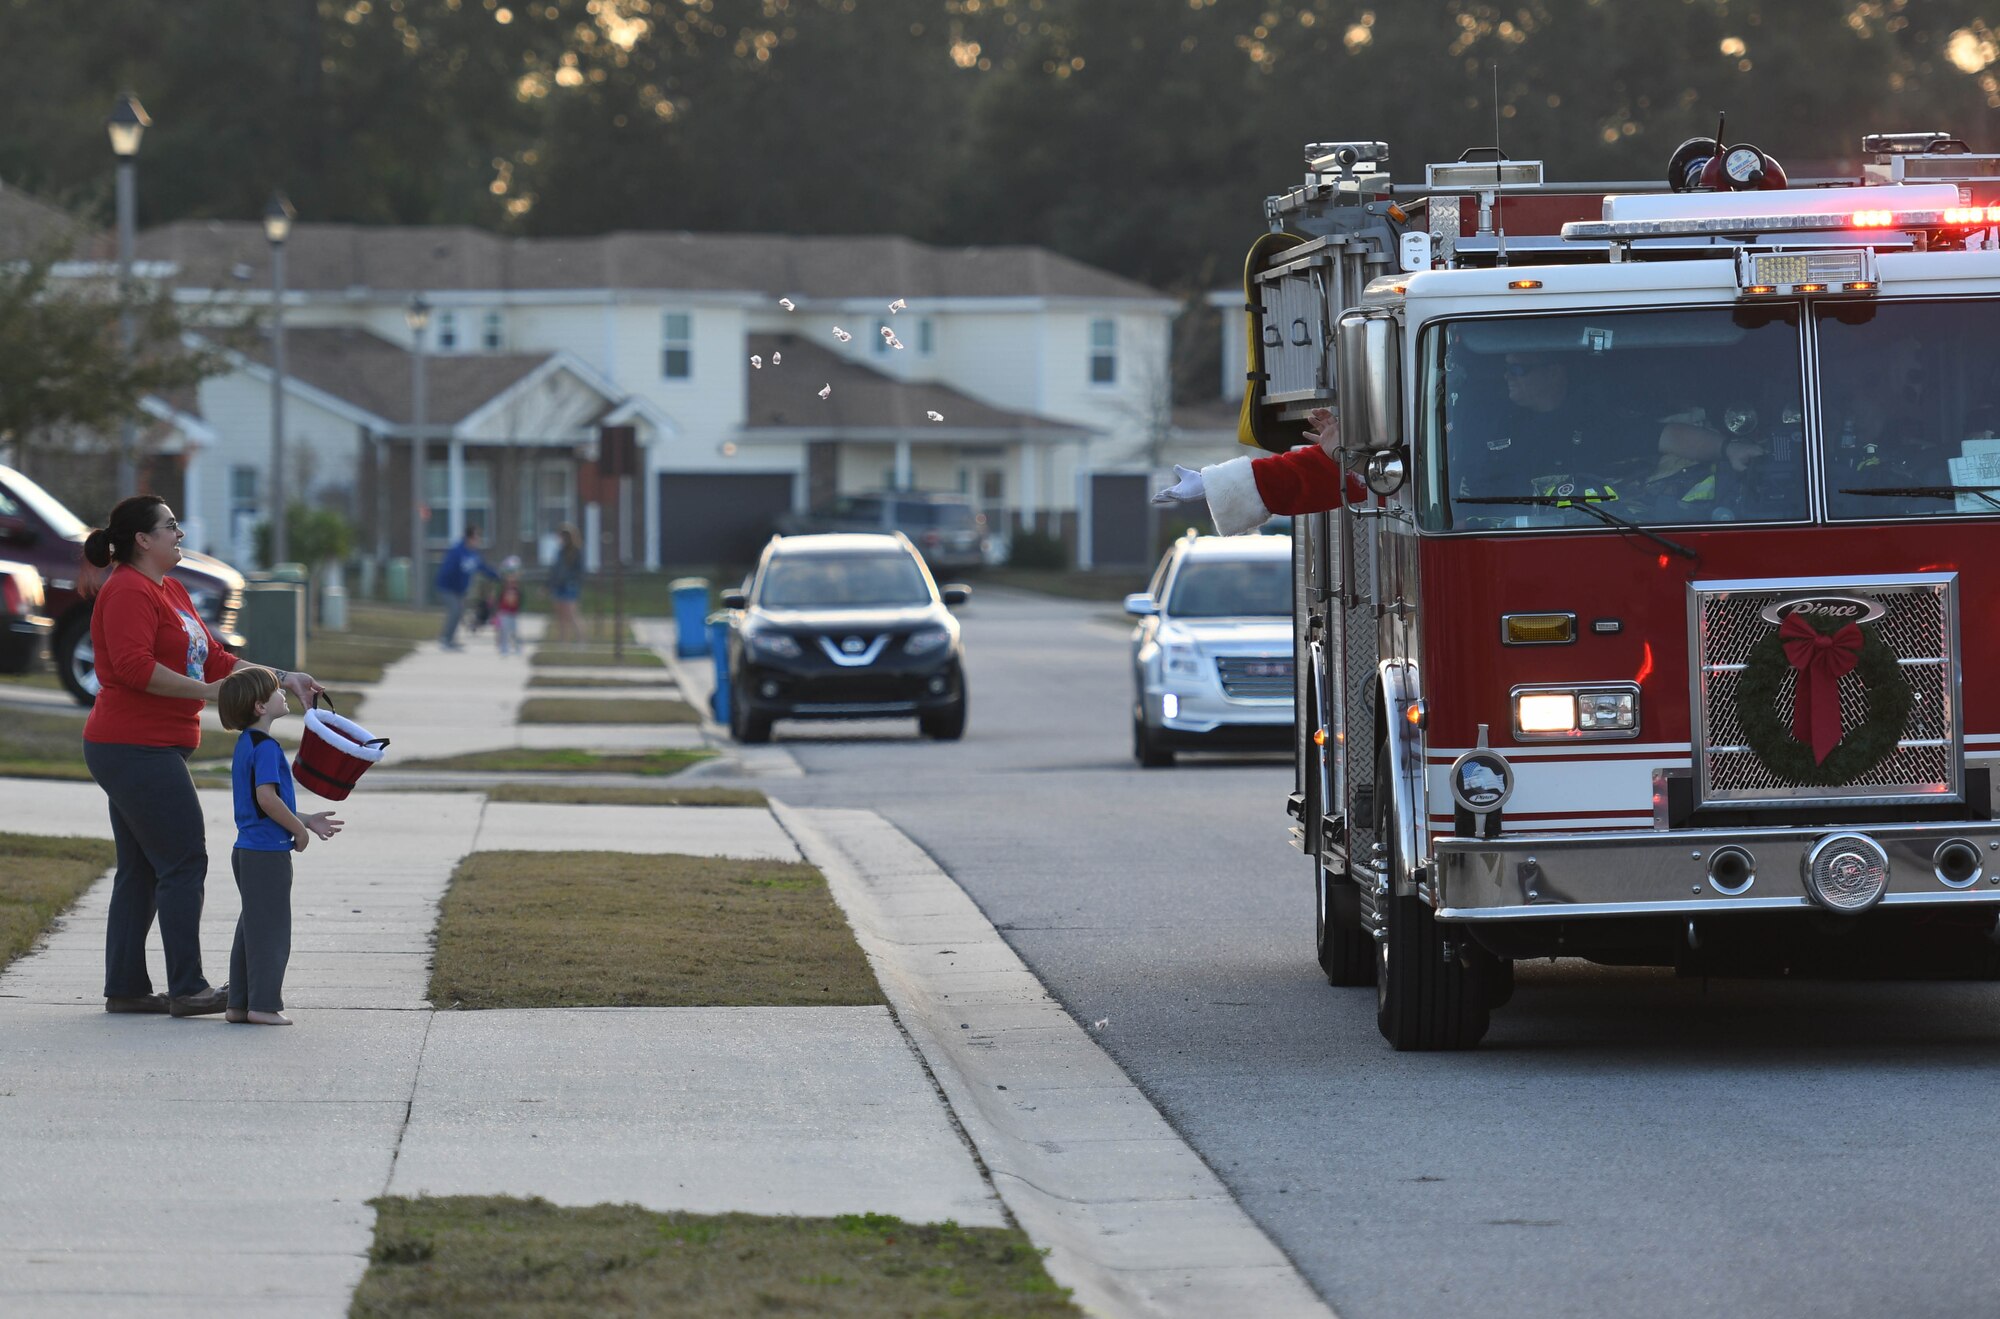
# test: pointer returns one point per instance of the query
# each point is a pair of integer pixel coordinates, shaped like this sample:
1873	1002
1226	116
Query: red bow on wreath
1821	661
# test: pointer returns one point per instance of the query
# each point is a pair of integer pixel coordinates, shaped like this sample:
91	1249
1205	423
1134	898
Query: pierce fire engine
1658	640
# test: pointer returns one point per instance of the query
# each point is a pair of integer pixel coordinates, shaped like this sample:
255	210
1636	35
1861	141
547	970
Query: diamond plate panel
1918	627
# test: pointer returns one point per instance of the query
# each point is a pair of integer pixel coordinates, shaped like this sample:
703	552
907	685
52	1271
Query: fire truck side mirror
1370	360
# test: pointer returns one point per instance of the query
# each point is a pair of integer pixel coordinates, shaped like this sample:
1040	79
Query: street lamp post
278	215
419	316
126	124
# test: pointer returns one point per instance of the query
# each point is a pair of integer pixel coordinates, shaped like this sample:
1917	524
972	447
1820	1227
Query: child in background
268	831
507	606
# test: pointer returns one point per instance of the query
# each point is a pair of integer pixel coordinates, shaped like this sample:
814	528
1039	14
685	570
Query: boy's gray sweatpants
263	932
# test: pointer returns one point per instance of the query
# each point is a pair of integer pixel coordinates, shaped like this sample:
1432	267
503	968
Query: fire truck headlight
1609	710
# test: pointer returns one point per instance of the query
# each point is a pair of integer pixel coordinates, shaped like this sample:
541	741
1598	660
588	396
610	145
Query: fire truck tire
1429	990
1147	752
1346	952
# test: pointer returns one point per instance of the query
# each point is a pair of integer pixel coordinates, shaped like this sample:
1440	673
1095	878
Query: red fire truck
1657	643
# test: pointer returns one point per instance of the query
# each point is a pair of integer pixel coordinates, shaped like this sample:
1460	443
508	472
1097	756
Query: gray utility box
273	623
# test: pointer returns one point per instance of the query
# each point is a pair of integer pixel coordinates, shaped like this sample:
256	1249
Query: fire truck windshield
1668	417
1910	407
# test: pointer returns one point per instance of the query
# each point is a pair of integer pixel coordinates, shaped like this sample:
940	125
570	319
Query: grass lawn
42	746
634	685
635	796
487	1255
614	929
636	657
605	710
43	678
563	760
39	879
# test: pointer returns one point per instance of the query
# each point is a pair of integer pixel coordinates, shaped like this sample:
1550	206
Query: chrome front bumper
1566	876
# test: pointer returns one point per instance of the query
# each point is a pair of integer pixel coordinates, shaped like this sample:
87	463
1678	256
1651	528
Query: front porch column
454	468
903	478
1031	497
194	500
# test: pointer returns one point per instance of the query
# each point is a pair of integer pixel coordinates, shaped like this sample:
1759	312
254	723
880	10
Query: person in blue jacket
454	578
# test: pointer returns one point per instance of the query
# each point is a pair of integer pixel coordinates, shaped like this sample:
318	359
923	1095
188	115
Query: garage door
707	518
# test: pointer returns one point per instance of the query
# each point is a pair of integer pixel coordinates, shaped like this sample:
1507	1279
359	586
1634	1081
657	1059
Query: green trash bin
273	623
396	581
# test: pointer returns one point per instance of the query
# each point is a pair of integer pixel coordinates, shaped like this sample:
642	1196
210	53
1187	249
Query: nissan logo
1827	608
853	645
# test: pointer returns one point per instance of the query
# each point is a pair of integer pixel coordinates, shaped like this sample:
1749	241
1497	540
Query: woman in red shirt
157	663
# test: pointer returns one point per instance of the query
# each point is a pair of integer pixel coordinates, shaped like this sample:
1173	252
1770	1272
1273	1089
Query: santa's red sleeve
1244	493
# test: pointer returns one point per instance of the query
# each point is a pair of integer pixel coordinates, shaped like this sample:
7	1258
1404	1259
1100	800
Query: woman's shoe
236	1016
205	1004
136	1003
268	1019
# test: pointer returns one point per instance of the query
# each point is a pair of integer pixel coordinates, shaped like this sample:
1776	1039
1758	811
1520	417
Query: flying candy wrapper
935	416
841	334
777	359
898	305
891	340
825	391
786	303
756	362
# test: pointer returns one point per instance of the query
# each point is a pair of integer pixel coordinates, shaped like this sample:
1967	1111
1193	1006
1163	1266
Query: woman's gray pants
263	932
162	865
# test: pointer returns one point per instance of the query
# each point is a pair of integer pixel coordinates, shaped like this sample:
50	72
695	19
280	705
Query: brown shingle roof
786	397
373	374
29	226
338	257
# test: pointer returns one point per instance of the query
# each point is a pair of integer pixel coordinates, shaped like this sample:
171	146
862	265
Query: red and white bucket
334	753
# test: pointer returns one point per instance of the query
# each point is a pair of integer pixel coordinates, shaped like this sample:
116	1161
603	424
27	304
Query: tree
66	384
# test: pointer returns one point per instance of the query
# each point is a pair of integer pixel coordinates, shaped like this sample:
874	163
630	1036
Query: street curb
696	683
1133	1221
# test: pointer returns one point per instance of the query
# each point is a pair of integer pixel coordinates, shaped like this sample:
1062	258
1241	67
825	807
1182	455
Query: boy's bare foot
236	1015
268	1019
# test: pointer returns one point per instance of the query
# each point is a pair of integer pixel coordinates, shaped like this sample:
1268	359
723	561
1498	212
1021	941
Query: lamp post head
126	124
278	217
418	314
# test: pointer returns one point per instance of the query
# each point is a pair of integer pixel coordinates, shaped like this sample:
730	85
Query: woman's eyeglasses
170	527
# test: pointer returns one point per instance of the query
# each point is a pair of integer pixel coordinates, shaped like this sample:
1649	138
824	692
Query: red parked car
37	529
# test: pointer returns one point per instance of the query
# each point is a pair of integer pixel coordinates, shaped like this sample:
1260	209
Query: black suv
844	627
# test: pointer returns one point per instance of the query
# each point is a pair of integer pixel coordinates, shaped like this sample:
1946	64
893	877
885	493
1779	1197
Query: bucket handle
322	696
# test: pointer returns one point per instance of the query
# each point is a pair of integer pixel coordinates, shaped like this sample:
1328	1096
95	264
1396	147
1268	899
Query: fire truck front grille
1918	627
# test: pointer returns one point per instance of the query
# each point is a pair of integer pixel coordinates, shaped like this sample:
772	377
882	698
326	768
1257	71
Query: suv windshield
1232	588
1659	417
1910	408
45	505
841	581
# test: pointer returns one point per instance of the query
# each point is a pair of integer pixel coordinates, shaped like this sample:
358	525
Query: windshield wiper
1587	504
1932	492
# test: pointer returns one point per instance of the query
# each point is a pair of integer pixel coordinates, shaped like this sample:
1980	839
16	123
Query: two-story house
754	373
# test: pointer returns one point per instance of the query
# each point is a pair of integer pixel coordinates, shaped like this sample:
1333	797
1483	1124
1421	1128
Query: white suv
1212	655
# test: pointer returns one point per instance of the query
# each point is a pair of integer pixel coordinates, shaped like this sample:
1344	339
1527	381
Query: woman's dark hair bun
97	548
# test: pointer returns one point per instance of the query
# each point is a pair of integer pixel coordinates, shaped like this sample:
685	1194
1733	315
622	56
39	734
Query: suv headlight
923	643
1182	660
775	644
1598	710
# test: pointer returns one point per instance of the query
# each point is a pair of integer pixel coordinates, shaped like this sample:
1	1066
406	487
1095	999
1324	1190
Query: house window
1104	352
547	498
926	336
492	332
478	500
447	339
677	340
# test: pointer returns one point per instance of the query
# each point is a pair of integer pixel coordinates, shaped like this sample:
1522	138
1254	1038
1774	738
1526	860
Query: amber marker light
1809	288
1524	283
1319	737
1760	288
1860	286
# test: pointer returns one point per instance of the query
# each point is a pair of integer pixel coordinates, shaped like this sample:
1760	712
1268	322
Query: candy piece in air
892	341
841	334
787	304
898	305
826	391
935	416
777	359
756	362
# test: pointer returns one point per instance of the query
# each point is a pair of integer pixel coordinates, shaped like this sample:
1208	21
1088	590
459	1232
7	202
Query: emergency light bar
1694	215
1483	175
1844	270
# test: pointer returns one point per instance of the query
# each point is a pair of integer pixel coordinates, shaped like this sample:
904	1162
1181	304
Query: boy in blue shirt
268	830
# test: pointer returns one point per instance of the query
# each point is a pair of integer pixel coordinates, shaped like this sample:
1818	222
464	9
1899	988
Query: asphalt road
1624	1143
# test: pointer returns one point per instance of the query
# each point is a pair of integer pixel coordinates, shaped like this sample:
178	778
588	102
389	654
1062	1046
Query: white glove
1186	491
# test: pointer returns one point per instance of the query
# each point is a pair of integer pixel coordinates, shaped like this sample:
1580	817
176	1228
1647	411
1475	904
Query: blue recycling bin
717	638
690	608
